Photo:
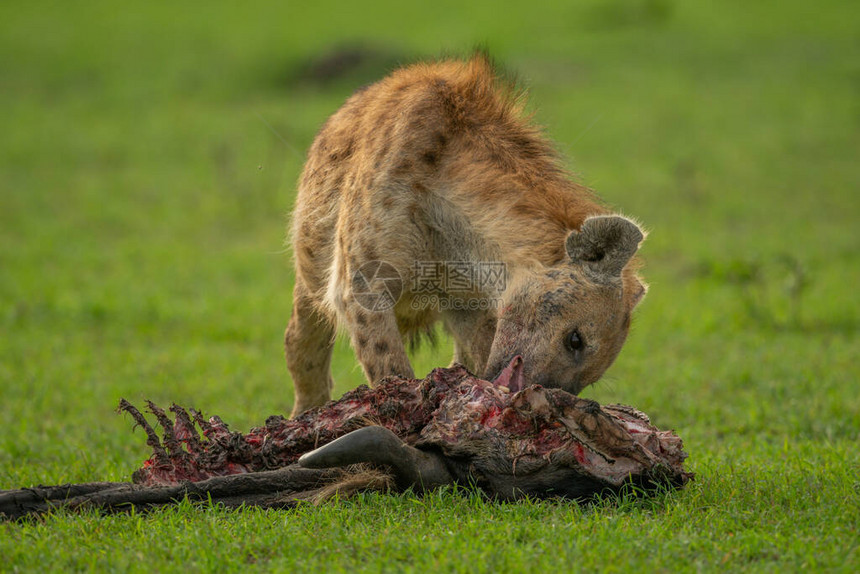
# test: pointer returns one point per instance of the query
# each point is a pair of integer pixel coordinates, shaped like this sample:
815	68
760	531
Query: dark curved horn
378	445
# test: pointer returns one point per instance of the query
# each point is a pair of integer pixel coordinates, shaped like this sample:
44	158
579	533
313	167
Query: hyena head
564	326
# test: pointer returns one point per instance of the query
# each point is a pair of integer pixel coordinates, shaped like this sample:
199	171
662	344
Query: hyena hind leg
308	344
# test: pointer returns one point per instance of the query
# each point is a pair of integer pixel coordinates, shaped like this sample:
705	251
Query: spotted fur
437	162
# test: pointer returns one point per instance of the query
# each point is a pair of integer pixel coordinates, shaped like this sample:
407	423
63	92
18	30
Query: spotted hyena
435	169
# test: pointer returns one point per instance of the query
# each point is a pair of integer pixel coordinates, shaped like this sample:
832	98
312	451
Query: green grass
143	198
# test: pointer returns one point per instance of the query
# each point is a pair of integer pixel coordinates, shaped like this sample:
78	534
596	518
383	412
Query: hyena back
435	163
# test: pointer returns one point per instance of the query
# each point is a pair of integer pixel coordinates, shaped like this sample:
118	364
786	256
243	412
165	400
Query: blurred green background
148	161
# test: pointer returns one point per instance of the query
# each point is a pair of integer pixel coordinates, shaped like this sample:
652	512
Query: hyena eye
574	342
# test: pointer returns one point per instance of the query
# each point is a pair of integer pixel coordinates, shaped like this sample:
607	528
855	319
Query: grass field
148	160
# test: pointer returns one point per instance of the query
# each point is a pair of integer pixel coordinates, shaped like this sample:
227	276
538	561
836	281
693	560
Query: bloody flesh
509	439
535	441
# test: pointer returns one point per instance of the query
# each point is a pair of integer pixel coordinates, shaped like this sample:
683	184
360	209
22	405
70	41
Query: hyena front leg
473	333
377	343
366	310
308	344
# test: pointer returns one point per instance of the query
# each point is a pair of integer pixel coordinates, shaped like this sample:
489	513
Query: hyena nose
570	384
544	380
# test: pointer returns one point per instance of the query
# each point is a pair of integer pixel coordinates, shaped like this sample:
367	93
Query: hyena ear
637	292
604	243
